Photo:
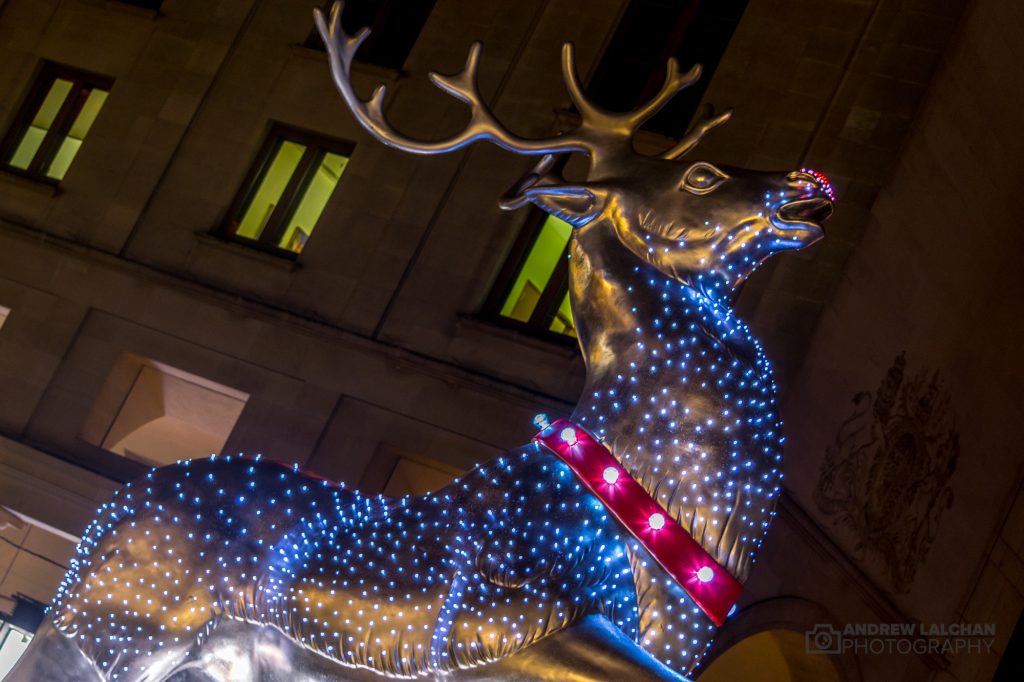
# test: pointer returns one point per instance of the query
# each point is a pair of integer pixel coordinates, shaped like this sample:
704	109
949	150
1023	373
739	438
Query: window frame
550	296
294	190
46	75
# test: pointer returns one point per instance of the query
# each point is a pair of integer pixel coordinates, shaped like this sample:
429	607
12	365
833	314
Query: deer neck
640	332
680	392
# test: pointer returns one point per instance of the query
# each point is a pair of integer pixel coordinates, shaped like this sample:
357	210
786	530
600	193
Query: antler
600	131
341	48
626	124
708	120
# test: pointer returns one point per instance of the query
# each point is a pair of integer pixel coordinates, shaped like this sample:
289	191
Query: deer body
399	586
460	583
235	569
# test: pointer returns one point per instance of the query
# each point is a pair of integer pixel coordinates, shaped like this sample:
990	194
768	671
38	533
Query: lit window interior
33	137
271	186
562	321
311	199
535	276
79	129
13	642
42	123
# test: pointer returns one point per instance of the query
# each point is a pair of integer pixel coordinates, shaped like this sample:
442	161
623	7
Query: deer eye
703	178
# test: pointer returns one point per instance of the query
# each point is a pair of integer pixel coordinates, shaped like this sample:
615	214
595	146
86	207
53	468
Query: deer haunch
512	553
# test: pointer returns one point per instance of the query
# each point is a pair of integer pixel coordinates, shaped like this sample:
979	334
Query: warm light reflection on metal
516	571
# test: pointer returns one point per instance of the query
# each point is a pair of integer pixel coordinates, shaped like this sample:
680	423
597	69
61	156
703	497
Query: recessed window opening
53	123
158	414
287	191
414	475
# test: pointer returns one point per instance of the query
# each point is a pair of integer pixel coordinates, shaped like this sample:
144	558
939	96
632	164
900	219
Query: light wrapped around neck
710	586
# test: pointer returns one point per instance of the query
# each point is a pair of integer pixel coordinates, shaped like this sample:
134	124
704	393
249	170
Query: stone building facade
135	314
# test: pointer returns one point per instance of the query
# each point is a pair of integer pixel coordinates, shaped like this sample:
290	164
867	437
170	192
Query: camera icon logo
823	639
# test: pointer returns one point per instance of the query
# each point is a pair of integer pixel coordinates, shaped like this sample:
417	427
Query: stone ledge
127	8
47	489
389	76
41	187
207	240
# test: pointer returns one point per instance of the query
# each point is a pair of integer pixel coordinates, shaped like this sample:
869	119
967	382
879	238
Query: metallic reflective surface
235	569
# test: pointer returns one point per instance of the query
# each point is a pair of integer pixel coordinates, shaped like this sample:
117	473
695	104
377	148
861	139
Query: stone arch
766	642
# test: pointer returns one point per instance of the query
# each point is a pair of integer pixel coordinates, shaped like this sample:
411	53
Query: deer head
687	219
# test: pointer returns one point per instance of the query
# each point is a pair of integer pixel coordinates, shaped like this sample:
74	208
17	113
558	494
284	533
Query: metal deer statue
608	548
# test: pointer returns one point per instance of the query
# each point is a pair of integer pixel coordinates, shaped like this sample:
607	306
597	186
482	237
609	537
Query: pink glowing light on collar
710	586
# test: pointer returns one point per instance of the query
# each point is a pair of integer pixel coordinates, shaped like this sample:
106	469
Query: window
53	123
394	27
157	414
286	191
534	291
145	4
413	475
633	67
13	642
33	559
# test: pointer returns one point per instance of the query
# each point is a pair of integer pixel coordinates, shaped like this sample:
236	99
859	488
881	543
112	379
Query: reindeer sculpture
529	567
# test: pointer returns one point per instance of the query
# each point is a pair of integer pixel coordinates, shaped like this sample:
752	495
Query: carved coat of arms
886	475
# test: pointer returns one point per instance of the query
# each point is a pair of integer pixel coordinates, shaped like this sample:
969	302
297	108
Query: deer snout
804	205
814	178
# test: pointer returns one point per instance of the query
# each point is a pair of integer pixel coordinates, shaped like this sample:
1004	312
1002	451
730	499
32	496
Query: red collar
712	587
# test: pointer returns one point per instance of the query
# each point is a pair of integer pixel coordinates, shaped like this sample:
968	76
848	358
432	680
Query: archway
769	637
771	656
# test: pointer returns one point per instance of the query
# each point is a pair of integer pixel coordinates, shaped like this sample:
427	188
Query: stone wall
371	343
934	280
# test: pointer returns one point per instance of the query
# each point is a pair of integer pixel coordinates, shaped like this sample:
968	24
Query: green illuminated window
53	123
534	289
287	191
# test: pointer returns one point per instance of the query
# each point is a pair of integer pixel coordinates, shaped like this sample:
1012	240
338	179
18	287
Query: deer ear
575	205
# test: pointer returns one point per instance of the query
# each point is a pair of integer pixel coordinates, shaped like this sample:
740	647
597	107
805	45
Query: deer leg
53	657
592	650
238	651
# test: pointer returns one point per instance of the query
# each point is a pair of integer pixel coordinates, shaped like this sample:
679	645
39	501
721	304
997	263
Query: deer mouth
812	211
